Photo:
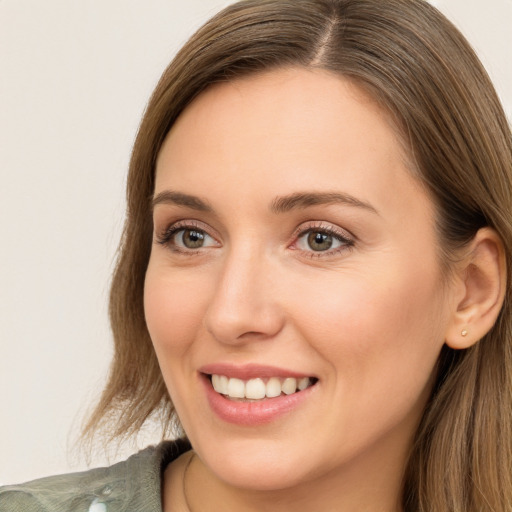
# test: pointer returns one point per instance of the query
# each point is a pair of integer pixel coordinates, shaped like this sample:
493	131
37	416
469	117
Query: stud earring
464	332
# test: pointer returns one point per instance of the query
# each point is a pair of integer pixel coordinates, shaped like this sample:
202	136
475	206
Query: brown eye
191	238
319	241
186	239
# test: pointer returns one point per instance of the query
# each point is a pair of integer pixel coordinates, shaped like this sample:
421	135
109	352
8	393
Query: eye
182	238
322	239
191	238
319	241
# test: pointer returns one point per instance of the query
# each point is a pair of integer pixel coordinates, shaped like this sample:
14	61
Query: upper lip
249	371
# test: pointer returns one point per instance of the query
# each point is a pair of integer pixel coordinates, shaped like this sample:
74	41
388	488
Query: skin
367	318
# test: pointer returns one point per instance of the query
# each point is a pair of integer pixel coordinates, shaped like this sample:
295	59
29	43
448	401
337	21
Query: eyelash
165	238
346	240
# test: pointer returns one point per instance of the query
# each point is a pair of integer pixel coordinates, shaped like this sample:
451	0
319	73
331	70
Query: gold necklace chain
185	471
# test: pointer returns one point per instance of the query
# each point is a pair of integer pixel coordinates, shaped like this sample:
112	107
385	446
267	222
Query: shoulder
133	484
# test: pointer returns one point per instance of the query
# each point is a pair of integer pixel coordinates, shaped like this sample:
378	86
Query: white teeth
257	389
303	383
220	384
236	388
289	386
273	387
224	383
216	383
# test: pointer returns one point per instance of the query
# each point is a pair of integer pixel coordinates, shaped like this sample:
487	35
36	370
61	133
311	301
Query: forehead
283	131
297	102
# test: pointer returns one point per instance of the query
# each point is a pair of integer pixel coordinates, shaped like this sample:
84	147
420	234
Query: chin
257	476
256	464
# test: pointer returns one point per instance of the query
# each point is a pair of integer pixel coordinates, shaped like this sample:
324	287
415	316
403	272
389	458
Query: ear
480	286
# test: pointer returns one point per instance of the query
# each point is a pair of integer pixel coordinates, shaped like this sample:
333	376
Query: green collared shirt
133	485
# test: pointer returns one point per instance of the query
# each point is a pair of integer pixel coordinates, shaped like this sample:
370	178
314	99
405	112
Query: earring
464	332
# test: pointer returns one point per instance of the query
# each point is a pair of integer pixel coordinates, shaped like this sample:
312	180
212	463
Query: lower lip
254	413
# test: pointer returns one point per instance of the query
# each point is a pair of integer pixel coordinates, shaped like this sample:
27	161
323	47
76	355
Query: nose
245	306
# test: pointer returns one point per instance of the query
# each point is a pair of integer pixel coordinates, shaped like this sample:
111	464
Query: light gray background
75	76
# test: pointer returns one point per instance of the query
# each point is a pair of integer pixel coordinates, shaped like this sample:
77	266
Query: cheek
172	307
379	330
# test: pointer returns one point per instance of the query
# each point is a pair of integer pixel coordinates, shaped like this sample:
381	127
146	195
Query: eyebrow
283	204
301	200
177	198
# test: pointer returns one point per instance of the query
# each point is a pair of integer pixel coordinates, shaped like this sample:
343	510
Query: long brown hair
423	72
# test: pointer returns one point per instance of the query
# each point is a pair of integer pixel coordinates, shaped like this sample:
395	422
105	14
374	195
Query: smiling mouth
259	388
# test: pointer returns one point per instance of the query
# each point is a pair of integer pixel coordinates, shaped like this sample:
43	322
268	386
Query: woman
313	273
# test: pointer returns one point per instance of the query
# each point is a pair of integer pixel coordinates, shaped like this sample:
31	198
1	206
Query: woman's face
293	248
